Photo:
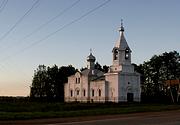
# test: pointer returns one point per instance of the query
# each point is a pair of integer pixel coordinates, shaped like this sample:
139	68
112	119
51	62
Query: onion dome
91	58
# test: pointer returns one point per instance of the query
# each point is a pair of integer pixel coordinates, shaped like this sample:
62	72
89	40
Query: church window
77	92
99	92
92	92
78	80
71	93
84	92
115	54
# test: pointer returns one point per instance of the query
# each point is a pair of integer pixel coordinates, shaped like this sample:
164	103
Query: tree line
48	82
155	72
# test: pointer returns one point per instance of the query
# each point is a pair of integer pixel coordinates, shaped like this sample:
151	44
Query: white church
120	84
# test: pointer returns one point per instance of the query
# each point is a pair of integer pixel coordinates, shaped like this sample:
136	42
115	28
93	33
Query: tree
103	69
48	82
156	70
39	82
98	66
171	65
64	72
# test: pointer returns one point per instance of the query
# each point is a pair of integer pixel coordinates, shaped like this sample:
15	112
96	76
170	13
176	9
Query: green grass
32	110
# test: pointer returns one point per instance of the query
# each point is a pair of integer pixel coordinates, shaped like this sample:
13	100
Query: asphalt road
158	118
148	118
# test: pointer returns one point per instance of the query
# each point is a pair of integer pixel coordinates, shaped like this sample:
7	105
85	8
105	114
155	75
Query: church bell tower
121	53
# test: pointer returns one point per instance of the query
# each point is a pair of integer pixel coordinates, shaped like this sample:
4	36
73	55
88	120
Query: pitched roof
100	78
92	72
121	43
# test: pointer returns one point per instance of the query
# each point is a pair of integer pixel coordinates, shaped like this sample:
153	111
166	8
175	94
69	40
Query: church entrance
130	97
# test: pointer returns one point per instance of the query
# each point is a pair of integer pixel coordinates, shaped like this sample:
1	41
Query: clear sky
151	27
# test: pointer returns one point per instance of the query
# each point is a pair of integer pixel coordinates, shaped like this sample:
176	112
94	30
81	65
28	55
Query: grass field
34	110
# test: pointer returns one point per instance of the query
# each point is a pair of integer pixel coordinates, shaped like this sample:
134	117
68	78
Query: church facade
120	84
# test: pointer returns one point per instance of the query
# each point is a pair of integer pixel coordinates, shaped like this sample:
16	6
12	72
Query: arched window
92	92
71	93
84	92
78	80
99	92
77	92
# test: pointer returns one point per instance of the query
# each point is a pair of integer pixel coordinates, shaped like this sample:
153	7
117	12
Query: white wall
112	81
129	83
96	86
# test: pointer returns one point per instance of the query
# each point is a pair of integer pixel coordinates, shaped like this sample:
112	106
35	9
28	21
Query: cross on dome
90	50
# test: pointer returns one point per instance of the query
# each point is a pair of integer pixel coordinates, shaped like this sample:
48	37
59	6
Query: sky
62	32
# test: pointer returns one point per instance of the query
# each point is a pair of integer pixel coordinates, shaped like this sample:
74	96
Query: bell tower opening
127	53
116	54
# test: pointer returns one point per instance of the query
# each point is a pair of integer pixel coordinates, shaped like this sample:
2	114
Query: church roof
99	78
91	58
92	72
121	43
